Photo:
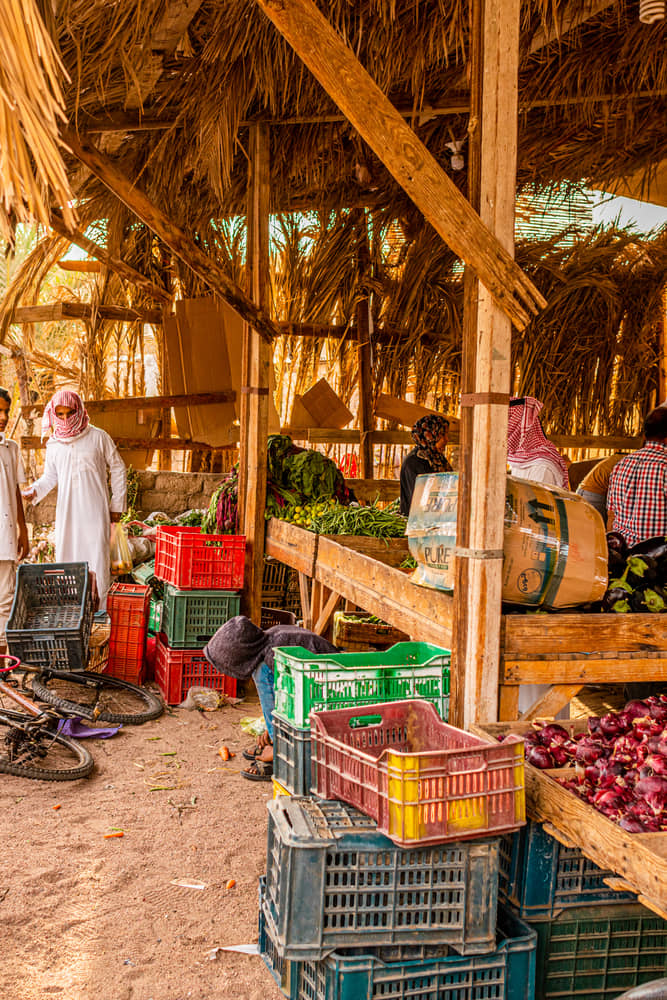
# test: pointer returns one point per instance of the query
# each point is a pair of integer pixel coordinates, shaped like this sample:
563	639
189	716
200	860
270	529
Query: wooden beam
150	444
136	403
114	263
498	45
186	249
57	311
366	419
332	63
257	361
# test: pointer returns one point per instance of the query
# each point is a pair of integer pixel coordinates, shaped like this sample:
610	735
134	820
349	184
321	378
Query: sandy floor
84	917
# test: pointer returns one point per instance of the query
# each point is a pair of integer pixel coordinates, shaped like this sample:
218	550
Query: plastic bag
252	726
119	551
202	698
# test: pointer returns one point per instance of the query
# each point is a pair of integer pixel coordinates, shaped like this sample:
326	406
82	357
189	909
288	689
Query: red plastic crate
128	605
177	670
192	561
424	782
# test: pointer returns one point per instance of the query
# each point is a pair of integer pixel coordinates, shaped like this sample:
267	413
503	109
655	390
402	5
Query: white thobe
83	513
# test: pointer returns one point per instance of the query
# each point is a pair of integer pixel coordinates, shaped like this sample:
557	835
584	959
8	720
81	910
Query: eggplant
641	571
654	601
615	594
616	563
637	601
617	542
621	607
655	547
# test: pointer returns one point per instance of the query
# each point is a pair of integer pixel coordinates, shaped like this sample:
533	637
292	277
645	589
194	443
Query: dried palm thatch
31	105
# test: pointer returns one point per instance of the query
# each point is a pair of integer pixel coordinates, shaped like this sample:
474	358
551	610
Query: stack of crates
128	607
202	576
145	573
592	941
346	910
306	683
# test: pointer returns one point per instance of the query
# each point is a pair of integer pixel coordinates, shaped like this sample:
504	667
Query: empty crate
128	605
305	683
191	617
334	881
423	781
52	615
191	560
177	670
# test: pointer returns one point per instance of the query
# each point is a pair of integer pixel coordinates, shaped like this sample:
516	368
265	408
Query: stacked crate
145	573
128	608
202	577
592	941
349	910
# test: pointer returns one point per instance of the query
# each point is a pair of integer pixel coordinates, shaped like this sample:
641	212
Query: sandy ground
84	917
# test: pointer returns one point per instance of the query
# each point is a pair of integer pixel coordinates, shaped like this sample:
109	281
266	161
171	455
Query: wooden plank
390	551
333	63
550	703
530	637
157	221
324	618
116	264
322	404
639	859
593	670
142	403
508	703
365	417
56	311
609	443
257	364
424	614
406	413
292	545
304	592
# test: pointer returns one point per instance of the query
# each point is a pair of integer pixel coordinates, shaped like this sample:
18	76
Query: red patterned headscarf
526	441
425	433
72	425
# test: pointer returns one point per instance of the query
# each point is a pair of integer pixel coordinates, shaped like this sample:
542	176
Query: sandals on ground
256	752
259	770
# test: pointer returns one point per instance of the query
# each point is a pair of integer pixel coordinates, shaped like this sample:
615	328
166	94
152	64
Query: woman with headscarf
428	455
242	649
529	454
78	456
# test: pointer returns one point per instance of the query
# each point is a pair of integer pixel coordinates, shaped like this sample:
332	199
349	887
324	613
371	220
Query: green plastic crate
599	952
145	573
191	617
155	617
305	683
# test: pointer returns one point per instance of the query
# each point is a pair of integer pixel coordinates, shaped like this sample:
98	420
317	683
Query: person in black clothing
242	649
428	455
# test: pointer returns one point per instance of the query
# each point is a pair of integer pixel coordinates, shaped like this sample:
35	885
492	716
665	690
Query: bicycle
30	746
30	738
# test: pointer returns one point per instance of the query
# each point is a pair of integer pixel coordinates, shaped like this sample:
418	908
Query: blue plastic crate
334	882
541	877
599	952
507	973
292	756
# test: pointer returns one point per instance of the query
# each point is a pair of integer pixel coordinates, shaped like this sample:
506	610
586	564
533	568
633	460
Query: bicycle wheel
29	749
96	697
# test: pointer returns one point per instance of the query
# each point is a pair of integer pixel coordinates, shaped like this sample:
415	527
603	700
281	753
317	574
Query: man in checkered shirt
637	498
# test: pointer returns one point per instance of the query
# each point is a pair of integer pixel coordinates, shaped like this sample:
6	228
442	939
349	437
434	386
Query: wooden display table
567	651
639	859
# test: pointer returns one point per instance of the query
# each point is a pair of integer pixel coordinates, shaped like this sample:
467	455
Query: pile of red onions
620	763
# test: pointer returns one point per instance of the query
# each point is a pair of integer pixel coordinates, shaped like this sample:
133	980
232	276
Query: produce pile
637	576
296	478
328	517
620	763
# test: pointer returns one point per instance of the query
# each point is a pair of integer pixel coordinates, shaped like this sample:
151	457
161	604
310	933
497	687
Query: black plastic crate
333	881
292	756
268	948
52	615
598	952
541	877
276	616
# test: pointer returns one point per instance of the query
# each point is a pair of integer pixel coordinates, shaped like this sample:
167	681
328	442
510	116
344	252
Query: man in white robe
78	456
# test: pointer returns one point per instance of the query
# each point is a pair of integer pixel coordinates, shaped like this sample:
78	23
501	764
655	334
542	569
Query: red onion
636	709
593	725
553	733
658	710
631	825
587	751
610	725
656	764
539	757
654	791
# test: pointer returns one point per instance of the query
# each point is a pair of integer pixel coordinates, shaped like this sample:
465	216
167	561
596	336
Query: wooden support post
662	340
365	382
208	270
334	64
498	42
257	364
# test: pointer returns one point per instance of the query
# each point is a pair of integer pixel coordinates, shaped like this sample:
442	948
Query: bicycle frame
24	703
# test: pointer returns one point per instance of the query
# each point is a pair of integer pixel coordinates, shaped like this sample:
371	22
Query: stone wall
170	492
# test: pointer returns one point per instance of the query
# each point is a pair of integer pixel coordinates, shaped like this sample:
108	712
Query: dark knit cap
239	646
